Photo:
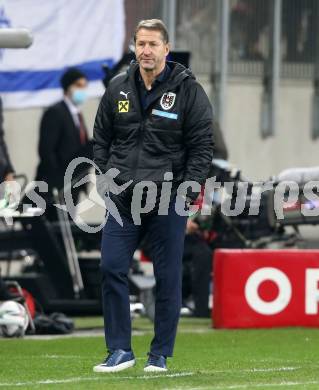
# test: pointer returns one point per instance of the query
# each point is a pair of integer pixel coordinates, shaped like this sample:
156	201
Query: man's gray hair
153	24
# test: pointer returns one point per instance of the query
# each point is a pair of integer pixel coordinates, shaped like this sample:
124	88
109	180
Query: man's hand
191	227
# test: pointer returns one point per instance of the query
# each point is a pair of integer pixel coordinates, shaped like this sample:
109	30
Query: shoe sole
154	369
119	367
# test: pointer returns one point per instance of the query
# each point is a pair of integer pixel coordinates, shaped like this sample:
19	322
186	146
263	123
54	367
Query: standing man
153	119
63	134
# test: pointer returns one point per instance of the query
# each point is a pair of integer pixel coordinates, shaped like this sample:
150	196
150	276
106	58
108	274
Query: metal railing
197	27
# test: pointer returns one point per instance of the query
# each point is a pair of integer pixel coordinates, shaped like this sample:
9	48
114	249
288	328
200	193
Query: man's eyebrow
143	41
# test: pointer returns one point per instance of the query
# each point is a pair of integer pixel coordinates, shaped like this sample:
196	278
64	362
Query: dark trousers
166	234
197	263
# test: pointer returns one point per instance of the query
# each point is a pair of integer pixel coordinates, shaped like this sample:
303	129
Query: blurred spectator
248	20
299	22
6	169
312	30
292	17
63	134
299	26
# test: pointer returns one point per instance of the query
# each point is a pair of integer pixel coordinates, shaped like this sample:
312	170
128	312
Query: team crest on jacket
168	100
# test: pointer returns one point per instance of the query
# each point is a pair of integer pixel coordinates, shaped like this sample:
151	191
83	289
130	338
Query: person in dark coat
63	135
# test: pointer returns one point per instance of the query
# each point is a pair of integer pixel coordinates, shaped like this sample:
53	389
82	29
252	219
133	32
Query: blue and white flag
81	33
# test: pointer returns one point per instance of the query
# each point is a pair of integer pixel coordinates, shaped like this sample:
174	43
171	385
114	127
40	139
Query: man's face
77	92
150	50
79	84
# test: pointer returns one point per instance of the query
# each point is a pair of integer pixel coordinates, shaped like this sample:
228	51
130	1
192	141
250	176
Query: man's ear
168	49
68	92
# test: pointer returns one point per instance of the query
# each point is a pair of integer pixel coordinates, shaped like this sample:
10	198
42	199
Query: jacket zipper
139	147
141	131
143	116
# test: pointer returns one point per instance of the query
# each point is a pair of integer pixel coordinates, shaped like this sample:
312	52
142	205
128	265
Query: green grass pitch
204	359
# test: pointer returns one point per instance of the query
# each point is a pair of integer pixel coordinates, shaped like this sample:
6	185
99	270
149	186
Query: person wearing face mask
63	134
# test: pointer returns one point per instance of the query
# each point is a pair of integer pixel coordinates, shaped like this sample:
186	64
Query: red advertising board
266	288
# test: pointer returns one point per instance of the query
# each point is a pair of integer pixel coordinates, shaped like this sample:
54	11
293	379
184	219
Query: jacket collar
178	74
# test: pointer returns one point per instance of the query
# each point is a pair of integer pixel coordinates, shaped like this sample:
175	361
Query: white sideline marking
47	356
275	369
149	377
251	386
98	377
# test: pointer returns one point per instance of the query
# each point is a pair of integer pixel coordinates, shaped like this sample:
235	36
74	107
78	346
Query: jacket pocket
154	169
